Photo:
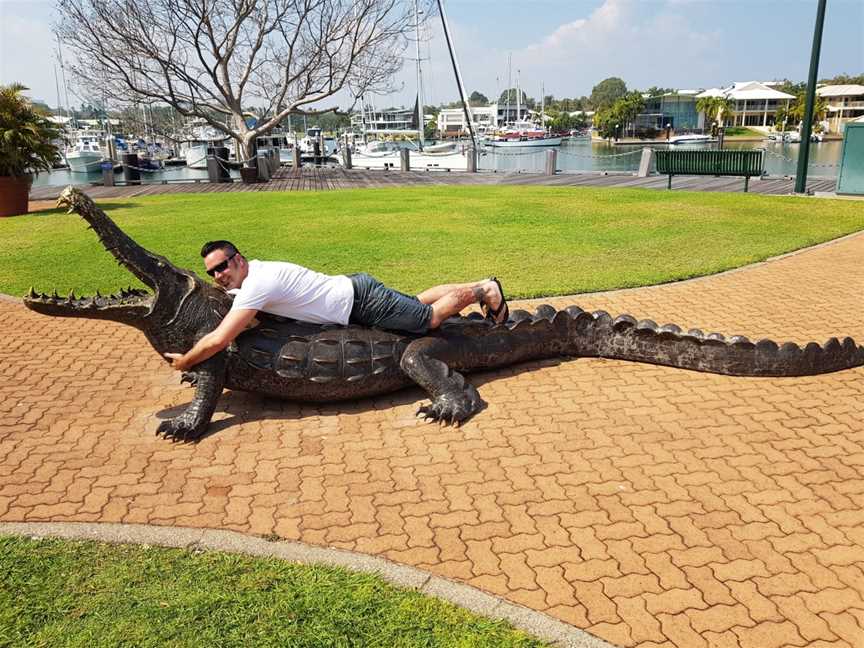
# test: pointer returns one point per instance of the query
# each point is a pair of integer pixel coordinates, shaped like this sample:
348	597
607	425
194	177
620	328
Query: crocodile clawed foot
181	429
452	408
190	377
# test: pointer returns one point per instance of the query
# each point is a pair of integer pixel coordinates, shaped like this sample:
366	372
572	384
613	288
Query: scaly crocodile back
597	334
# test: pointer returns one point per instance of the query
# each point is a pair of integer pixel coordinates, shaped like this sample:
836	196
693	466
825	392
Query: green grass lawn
61	593
539	240
742	131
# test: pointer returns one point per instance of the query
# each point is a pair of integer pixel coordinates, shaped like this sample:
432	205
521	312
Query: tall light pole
804	152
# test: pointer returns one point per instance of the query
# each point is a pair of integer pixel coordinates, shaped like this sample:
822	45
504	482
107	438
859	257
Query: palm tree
725	106
820	107
715	108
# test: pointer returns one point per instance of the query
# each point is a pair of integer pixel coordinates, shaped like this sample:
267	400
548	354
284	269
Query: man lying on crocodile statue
298	293
292	359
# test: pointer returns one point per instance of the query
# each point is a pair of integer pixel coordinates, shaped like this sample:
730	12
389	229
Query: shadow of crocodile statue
309	362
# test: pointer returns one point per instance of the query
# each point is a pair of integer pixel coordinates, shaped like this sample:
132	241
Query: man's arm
212	343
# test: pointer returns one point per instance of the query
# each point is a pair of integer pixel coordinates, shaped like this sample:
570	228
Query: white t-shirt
293	291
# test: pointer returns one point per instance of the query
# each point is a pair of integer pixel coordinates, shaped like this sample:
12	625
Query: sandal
498	315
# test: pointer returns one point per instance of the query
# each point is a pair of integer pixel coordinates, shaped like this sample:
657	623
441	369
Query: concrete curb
466	596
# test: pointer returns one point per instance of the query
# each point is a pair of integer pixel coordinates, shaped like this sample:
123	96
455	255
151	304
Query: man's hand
176	361
212	343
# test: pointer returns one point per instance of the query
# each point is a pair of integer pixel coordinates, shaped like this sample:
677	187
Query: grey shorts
377	305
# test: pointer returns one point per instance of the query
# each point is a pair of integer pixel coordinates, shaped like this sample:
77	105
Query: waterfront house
845	104
753	103
676	110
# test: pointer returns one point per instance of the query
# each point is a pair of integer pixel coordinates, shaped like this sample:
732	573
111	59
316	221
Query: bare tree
209	58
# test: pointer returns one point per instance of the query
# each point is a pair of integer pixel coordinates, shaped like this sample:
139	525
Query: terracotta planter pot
249	175
14	194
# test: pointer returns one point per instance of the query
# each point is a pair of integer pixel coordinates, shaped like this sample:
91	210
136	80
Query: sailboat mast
509	84
542	106
57	88
518	97
458	76
65	85
421	130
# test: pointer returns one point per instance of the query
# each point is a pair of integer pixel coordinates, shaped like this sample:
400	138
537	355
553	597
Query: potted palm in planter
25	147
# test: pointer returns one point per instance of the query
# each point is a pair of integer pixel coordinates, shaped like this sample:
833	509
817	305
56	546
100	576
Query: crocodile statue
308	362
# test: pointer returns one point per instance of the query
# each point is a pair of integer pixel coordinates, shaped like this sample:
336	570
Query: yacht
201	142
279	141
85	153
692	138
523	133
313	136
387	155
441	147
377	148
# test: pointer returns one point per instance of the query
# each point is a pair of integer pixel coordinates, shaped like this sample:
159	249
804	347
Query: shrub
25	134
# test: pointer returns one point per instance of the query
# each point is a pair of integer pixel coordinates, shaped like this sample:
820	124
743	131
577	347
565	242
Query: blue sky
566	45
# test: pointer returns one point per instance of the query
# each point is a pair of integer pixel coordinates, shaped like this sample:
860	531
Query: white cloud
644	43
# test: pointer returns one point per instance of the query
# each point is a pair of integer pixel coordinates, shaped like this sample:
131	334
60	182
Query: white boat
377	149
526	141
279	141
419	160
195	153
522	133
86	153
198	144
442	147
793	137
692	139
307	145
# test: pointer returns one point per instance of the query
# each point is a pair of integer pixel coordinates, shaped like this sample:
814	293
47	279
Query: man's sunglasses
220	267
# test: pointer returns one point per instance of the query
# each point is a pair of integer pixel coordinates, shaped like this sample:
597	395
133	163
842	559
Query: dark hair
226	246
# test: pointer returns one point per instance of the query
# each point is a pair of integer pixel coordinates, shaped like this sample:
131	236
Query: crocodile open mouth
129	301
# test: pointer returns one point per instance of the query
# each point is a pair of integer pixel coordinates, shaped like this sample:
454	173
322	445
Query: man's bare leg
431	295
451	299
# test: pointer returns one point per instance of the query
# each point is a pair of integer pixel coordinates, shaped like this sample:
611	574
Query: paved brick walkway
649	506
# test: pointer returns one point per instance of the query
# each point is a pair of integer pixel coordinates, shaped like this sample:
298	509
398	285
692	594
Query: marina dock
335	178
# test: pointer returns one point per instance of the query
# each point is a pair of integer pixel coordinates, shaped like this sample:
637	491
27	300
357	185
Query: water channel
574	155
583	154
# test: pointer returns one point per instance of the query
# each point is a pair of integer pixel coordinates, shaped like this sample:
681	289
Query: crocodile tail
597	334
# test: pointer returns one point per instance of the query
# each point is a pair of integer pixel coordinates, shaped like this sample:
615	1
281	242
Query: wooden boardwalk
326	179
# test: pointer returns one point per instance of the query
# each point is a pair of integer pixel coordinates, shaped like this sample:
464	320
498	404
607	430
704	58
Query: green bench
717	163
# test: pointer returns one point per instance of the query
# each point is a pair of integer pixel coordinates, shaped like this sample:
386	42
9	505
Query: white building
753	103
845	104
390	122
452	122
